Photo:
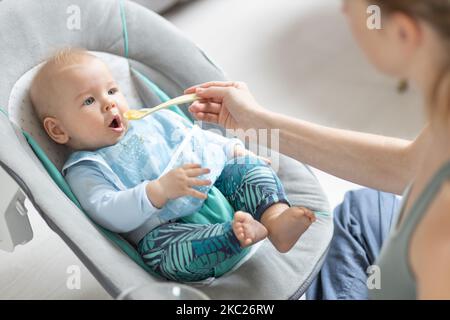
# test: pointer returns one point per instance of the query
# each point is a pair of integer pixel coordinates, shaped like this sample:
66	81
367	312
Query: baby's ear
54	129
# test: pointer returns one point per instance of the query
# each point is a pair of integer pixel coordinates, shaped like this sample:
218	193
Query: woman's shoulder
430	247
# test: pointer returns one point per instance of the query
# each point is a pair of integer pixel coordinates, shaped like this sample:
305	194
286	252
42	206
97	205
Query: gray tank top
396	276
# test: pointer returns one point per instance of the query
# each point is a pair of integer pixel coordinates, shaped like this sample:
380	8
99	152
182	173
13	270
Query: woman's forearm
382	163
377	162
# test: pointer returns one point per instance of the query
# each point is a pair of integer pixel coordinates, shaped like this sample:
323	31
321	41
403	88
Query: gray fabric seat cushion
159	51
159	6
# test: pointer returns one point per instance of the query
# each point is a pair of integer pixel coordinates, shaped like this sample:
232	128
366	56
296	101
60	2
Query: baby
139	178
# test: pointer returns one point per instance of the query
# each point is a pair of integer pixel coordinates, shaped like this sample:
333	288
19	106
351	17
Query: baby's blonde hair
41	86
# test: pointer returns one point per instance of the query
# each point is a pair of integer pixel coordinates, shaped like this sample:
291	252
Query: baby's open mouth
116	124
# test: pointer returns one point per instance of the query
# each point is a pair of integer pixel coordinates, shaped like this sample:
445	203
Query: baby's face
91	106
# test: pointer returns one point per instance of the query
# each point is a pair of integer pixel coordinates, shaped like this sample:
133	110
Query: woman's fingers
211	84
205	107
206	111
207	117
215	93
212	93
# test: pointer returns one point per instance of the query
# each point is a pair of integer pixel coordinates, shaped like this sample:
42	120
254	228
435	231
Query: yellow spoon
141	113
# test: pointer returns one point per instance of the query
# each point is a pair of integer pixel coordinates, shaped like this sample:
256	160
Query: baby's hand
240	151
179	182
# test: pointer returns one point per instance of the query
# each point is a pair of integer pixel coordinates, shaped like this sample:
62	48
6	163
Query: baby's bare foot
248	230
287	228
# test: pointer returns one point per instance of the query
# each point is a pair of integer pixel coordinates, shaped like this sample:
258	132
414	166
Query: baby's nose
110	106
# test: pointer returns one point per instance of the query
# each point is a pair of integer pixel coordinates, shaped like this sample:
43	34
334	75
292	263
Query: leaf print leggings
193	252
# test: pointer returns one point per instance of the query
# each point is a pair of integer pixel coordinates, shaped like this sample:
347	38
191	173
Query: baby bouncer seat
151	60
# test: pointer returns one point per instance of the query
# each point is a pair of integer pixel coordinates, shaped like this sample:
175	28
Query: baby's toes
311	216
304	212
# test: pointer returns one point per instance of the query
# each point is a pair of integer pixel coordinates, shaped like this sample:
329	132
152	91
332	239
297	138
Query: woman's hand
229	104
177	183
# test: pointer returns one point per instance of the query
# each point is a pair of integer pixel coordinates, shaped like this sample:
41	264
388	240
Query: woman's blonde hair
436	13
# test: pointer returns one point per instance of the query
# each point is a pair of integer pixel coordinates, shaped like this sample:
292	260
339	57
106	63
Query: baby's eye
89	101
112	91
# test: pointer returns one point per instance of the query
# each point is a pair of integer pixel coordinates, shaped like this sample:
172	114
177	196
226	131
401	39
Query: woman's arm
378	162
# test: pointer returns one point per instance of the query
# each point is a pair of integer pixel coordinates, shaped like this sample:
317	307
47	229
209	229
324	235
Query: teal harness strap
48	165
161	94
124	27
322	213
62	184
4	112
51	169
126	247
216	208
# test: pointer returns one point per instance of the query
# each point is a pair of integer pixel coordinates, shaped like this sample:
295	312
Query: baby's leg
286	224
247	229
254	187
192	252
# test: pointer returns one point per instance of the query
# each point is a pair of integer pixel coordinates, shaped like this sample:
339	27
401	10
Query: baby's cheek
123	107
123	102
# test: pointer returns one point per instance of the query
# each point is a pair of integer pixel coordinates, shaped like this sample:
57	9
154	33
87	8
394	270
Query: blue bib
152	147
